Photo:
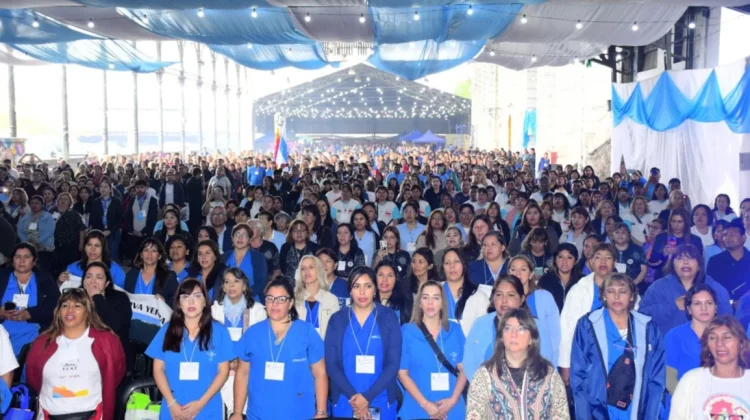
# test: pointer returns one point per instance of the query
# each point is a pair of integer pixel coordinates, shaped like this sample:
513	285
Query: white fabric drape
704	156
519	56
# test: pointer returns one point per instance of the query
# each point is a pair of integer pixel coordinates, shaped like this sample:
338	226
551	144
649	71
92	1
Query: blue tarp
415	134
272	57
428	137
17	27
666	107
105	55
175	4
415	60
529	126
478	4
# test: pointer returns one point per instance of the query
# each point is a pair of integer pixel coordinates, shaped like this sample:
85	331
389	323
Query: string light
492	53
111	66
362	18
254	13
35	23
470	11
307	18
691	25
635	26
91	24
416	15
533	59
524	20
145	19
249	46
201	13
579	25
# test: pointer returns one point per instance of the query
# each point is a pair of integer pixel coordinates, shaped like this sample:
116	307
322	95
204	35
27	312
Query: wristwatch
321	413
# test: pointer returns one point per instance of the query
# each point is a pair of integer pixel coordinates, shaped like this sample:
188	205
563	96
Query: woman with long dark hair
270	376
392	292
179	248
151	274
364	235
562	275
722	208
191	356
319	233
171	226
421	269
532	218
113	306
350	256
207	266
480	225
95	248
393	252
434	236
494	261
466	302
519	376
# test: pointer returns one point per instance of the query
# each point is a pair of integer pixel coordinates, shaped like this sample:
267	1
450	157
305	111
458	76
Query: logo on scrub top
454	356
211	355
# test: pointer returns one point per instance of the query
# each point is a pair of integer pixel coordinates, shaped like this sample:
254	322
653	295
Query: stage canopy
400	37
428	137
415	134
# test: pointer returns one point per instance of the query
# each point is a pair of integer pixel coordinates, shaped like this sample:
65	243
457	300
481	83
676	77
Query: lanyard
367	349
18	284
493	276
141	200
314	321
442	350
192	354
270	343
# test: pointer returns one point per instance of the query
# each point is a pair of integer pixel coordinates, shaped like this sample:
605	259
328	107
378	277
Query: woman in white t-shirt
703	219
720	388
8	362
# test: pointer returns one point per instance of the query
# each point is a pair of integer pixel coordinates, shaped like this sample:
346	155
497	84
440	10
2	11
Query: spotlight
416	15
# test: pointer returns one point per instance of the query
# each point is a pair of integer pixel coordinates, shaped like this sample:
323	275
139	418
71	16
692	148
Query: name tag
439	382
365	364
141	215
235	333
342	266
33	226
620	267
21	301
189	371
274	371
411	247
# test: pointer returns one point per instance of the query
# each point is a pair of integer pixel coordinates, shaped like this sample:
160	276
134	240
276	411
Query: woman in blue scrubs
493	263
281	365
433	390
682	344
363	353
207	266
541	305
336	285
29	296
150	274
252	262
191	357
95	248
179	248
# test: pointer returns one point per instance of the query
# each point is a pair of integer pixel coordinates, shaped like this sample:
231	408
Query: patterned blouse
493	397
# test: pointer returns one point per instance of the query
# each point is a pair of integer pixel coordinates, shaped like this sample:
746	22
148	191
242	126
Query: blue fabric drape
427	3
416	60
16	27
222	27
666	107
105	55
441	23
175	4
529	126
272	57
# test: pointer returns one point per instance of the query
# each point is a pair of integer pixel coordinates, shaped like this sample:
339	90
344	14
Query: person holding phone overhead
191	357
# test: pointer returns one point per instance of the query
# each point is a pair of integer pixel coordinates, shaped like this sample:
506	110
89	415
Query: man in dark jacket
194	197
171	191
140	219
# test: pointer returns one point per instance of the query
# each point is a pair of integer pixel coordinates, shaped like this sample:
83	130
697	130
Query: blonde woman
314	303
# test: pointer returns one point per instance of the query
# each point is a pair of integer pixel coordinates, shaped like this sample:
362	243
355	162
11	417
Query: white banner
148	308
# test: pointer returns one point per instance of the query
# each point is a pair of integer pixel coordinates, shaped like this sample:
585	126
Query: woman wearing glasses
363	353
720	388
297	245
76	365
617	364
431	368
251	262
281	367
191	357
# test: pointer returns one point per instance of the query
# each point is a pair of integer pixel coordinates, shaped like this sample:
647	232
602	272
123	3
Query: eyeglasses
722	416
299	231
192	298
279	299
241	236
508	329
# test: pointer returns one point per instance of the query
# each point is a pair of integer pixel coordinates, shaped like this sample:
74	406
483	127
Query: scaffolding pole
160	81
12	102
65	128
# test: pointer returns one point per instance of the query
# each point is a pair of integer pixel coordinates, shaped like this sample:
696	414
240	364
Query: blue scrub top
294	397
340	289
408	236
451	302
418	358
683	349
118	275
185	391
246	265
182	275
351	348
21	332
615	348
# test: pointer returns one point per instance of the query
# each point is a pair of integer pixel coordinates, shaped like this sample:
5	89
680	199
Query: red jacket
108	353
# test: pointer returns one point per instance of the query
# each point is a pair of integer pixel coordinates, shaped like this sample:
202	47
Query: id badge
21	301
375	413
274	371
189	371
342	266
439	382
33	226
365	364
235	333
620	267
411	247
141	215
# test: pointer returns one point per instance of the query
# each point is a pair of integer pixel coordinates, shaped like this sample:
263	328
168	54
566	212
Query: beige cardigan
329	305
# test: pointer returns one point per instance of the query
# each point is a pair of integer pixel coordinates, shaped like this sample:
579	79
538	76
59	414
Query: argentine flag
281	150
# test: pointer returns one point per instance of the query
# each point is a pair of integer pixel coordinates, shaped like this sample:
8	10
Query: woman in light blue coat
507	294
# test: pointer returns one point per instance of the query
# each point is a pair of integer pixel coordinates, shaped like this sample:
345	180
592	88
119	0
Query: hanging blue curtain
222	27
666	107
104	55
415	60
272	57
529	126
16	27
441	23
427	3
175	4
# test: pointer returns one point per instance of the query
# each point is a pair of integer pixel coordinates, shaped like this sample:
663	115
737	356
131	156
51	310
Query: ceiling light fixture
307	18
470	11
254	13
524	20
201	13
362	18
579	25
91	24
416	15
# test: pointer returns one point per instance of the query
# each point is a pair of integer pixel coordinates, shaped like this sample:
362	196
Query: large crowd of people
372	282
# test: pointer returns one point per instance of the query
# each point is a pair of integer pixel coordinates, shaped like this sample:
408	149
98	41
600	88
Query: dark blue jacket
588	368
390	331
47	294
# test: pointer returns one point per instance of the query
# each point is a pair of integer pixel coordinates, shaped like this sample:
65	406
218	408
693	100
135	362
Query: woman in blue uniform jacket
363	353
251	262
281	367
433	382
95	248
191	357
150	273
664	300
33	293
617	366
